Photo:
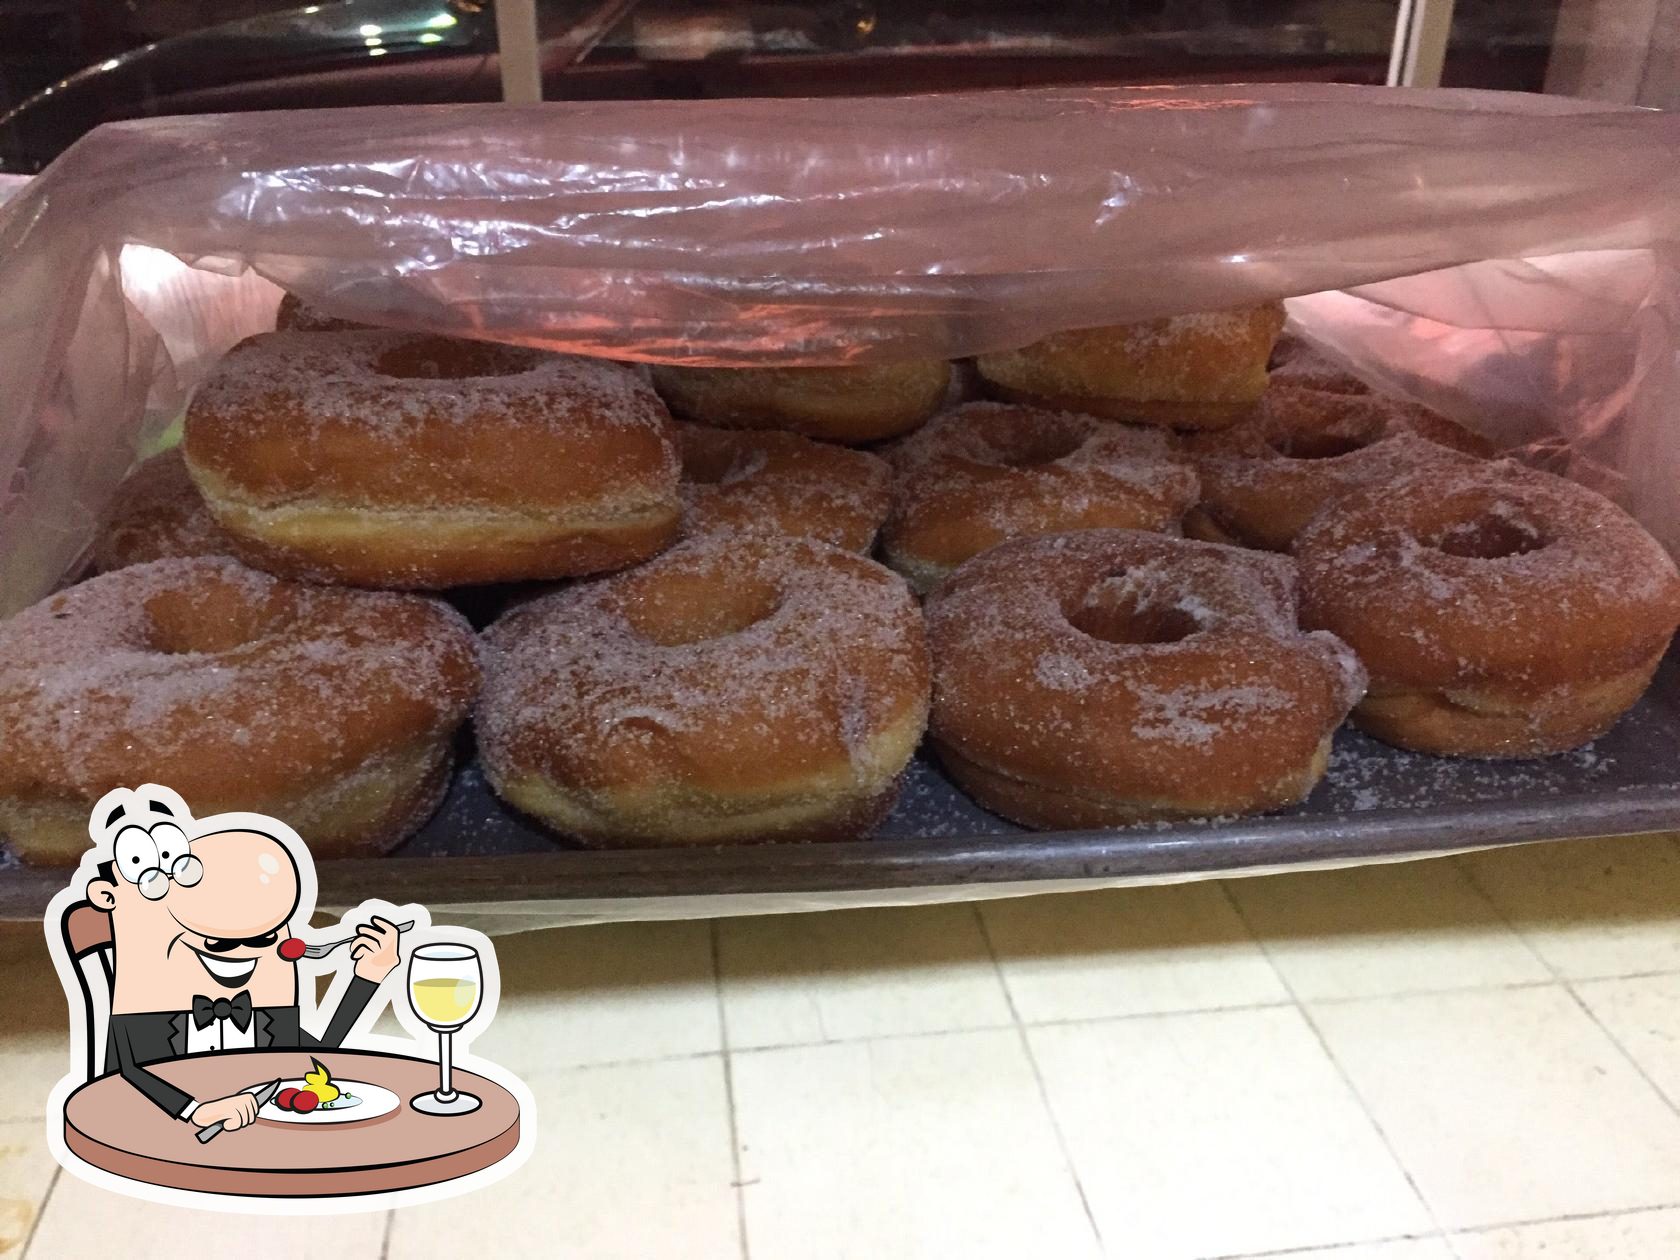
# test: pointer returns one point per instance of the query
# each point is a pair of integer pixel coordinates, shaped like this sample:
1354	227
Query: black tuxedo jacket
149	1036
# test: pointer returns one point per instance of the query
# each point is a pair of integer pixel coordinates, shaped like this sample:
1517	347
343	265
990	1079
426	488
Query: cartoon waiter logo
205	1071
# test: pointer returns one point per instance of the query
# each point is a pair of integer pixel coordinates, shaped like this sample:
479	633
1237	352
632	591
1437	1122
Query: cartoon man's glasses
150	859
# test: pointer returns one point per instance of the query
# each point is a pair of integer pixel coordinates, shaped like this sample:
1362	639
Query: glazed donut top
292	415
159	515
728	662
781	483
1453	574
1003	469
198	670
1045	645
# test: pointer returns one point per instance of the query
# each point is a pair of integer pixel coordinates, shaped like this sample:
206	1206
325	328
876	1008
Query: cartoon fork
327	947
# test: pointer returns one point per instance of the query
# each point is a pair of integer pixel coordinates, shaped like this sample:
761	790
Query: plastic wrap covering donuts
1507	260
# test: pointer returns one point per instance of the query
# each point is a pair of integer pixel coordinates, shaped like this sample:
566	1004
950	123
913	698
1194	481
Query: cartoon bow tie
237	1008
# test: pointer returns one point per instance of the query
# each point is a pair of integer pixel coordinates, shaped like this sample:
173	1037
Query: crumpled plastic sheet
1507	258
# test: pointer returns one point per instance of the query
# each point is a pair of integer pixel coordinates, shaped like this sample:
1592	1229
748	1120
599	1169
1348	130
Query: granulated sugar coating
730	672
159	515
231	686
296	315
1502	612
1454	575
1364	775
391	419
867	402
399	461
384	379
984	472
781	483
1265	477
1190	371
1146	672
1296	362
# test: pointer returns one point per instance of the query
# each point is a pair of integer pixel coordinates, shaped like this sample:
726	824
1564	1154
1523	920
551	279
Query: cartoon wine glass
445	987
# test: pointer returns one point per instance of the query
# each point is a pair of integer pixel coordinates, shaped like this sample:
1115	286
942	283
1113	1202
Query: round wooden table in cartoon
110	1125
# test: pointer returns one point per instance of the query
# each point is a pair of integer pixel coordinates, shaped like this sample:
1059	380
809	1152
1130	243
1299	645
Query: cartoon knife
262	1093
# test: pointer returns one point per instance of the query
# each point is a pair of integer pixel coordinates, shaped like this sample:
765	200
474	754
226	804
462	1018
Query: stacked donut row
744	672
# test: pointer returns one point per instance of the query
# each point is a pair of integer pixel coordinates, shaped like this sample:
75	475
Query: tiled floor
1466	1059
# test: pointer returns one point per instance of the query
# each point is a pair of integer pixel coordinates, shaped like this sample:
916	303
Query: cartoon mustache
226	944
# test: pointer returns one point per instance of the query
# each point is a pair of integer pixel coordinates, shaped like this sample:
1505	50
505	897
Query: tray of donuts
1142	601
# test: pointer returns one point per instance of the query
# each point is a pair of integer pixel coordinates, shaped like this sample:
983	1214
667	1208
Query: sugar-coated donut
296	315
1502	612
1111	676
1184	371
1297	362
781	483
331	709
984	472
159	515
1265	477
863	403
736	688
389	459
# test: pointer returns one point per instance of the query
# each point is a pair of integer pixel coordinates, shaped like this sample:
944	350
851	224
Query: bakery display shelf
1376	802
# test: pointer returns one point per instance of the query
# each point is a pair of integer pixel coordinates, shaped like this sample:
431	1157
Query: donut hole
693	608
1129	619
1320	445
719	466
452	359
1034	447
1490	536
192	622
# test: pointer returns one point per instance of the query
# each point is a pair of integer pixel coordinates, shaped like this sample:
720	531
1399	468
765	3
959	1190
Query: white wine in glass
445	987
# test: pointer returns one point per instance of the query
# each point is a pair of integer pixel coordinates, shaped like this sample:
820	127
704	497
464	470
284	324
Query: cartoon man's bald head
222	931
250	886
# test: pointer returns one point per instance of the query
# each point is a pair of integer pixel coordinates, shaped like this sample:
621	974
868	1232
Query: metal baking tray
1375	803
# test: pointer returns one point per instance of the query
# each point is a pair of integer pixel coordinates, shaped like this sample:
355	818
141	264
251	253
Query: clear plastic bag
1510	259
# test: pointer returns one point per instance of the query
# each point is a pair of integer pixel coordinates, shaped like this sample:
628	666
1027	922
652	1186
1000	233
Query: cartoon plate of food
316	1098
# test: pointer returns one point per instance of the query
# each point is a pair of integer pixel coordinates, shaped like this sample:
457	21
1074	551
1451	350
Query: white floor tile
1507	1105
632	1161
83	1220
33	1063
1635	1236
913	1147
1590	907
1222	1133
1393	928
797	978
606	994
1644	1016
26	1169
1128	952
